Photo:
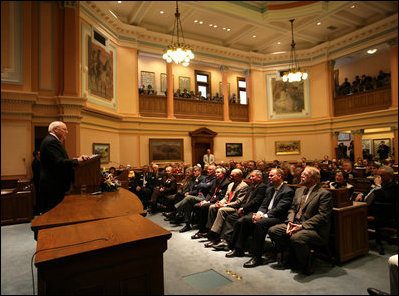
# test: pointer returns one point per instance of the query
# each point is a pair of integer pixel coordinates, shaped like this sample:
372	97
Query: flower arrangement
109	182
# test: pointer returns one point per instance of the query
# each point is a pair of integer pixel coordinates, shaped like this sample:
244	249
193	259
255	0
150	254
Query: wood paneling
367	101
191	108
153	106
238	112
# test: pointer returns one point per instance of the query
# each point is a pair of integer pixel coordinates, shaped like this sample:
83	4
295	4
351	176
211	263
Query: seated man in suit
273	210
216	194
167	186
308	222
185	207
252	201
236	192
143	185
191	189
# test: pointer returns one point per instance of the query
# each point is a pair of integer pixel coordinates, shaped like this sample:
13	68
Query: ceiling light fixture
162	12
294	74
318	23
372	51
178	52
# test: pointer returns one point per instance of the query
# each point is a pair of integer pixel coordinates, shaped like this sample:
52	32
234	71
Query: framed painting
288	147
344	137
103	150
164	82
184	83
221	89
100	71
148	78
366	145
166	150
377	143
233	149
287	100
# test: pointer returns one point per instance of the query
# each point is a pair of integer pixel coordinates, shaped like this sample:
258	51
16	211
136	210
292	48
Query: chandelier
294	74
176	51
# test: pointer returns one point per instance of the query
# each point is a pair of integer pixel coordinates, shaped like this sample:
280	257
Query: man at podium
57	172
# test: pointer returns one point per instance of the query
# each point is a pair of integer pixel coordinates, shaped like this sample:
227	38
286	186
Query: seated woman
112	170
341	181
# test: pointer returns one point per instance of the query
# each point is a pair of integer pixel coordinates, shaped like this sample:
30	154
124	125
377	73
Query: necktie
272	201
214	193
302	204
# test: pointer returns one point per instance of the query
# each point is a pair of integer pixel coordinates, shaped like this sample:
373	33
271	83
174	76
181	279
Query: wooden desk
349	231
77	208
122	255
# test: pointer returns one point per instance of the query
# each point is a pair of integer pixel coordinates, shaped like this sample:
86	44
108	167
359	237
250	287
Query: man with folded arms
232	201
307	224
272	211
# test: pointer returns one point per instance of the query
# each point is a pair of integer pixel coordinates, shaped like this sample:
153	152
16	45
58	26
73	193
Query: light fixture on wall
178	51
294	74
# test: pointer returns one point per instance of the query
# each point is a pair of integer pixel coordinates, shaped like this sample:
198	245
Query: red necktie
231	195
214	193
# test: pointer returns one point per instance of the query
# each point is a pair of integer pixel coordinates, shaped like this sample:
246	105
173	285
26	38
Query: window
242	90
203	83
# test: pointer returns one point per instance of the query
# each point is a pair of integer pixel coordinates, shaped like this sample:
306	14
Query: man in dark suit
252	201
272	211
57	172
143	185
36	167
167	186
307	224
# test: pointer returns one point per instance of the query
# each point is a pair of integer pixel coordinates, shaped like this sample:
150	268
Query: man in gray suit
307	224
236	192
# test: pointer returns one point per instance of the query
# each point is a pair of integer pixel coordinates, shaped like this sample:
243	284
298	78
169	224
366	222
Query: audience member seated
341	181
326	160
232	201
252	201
273	210
150	91
308	223
324	175
184	208
345	87
384	205
355	88
296	179
383	79
288	176
177	94
233	99
216	193
143	185
166	187
141	90
112	171
348	168
383	151
185	94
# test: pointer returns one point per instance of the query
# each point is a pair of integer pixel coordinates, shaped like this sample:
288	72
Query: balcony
371	100
155	106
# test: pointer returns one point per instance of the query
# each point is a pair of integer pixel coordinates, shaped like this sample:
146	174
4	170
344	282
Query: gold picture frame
377	142
184	83
103	150
166	150
148	78
288	147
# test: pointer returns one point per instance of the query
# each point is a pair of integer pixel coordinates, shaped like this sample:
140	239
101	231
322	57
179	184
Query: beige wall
369	65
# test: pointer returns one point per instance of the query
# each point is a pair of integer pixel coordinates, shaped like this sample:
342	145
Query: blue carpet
207	280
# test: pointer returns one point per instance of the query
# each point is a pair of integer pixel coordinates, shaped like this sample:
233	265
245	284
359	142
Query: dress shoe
269	259
255	261
196	236
222	246
169	214
373	291
185	228
235	253
210	244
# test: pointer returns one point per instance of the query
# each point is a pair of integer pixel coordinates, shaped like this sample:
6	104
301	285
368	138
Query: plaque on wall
148	78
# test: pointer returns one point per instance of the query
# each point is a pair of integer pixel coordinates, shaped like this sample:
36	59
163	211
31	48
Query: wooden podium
88	175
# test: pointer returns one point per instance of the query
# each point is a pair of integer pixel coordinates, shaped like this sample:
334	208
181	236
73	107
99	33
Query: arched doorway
201	139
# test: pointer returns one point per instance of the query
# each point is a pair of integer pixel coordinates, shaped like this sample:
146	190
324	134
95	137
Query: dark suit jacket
57	172
192	188
139	178
316	214
221	190
282	202
254	198
170	185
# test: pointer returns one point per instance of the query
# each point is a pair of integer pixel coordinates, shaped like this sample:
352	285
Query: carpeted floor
186	257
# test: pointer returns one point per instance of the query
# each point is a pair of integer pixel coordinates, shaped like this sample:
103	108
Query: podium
88	175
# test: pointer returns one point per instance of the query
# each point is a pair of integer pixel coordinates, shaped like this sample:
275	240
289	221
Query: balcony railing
371	100
155	106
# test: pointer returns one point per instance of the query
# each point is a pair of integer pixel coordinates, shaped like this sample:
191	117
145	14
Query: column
357	143
169	99
70	48
226	111
331	86
248	81
394	72
395	142
334	144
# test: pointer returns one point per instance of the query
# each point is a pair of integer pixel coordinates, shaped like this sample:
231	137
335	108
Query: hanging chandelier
294	74
178	52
